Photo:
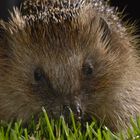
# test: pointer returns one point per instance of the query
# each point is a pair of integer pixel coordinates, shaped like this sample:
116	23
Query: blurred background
132	9
6	5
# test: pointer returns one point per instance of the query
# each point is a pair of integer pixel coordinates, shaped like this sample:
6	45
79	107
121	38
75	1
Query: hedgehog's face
61	65
69	65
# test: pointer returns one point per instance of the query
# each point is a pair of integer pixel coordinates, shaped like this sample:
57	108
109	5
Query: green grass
47	129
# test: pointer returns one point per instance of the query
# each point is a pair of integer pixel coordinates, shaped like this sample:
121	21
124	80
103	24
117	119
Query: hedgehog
69	54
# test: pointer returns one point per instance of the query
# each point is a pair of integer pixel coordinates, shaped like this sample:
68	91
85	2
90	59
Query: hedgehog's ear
111	39
105	30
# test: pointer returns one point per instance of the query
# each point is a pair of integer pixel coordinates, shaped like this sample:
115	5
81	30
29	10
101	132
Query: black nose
79	113
76	110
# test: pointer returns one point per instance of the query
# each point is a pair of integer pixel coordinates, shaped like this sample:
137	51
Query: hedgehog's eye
38	74
87	69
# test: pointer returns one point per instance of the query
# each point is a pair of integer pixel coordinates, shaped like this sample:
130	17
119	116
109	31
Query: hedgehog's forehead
57	22
62	35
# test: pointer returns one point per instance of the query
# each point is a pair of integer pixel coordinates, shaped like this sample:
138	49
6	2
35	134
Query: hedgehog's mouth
79	117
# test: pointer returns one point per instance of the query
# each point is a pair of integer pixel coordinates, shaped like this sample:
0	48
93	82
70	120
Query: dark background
6	5
132	8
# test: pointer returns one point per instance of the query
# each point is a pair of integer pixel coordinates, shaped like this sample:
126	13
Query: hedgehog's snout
75	109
